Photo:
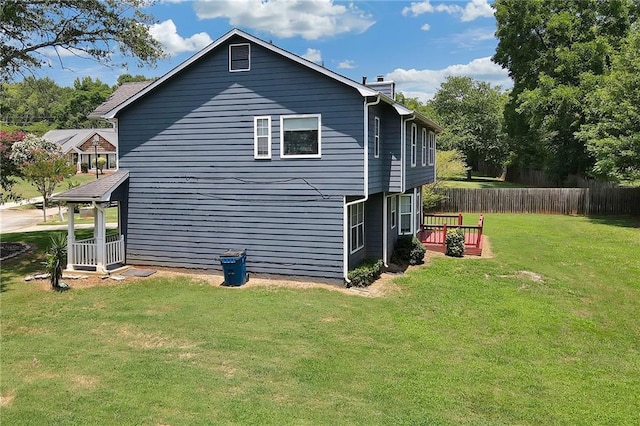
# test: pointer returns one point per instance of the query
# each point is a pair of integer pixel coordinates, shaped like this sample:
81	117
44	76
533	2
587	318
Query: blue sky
417	44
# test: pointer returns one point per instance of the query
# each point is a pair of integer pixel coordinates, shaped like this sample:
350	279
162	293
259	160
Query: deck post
444	236
459	219
71	235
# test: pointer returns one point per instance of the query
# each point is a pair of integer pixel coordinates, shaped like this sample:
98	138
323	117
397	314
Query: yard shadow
621	221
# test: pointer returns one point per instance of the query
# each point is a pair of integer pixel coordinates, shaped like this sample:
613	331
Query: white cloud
313	55
167	34
423	84
310	19
425	27
347	64
472	37
474	9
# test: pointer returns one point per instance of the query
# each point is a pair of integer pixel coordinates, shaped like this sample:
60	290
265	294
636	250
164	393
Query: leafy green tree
8	168
42	164
94	28
86	95
31	101
549	48
472	114
128	78
450	165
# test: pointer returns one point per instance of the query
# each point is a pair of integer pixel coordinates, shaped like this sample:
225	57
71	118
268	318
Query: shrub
365	273
408	249
454	242
84	167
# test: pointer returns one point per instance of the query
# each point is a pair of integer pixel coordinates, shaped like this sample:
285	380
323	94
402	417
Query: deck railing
434	231
85	252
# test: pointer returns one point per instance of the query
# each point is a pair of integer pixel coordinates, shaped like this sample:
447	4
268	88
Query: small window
376	138
406	214
424	147
262	137
414	142
356	224
432	148
239	57
300	136
394	211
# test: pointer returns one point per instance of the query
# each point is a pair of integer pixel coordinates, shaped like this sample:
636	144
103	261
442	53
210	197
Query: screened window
356	224
239	57
262	137
424	147
432	148
376	138
414	137
300	136
406	214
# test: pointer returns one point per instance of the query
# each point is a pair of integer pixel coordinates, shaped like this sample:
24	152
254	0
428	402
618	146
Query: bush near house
365	273
454	242
408	250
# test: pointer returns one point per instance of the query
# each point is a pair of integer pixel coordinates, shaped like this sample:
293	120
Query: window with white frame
406	214
376	137
393	217
300	136
262	138
432	148
424	147
239	57
356	224
414	142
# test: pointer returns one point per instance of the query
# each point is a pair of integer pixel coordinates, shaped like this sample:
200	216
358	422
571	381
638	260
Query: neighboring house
78	145
246	145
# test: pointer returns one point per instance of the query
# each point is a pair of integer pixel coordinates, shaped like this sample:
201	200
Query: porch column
99	232
71	235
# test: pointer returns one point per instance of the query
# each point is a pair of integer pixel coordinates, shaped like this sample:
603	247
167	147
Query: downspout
345	210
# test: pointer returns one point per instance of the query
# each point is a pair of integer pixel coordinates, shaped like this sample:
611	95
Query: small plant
409	249
100	163
84	167
365	273
454	242
55	259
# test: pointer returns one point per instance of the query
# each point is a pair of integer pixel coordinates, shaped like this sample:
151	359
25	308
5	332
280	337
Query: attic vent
239	57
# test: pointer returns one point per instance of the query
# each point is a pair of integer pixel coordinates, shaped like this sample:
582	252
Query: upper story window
424	147
300	136
432	148
262	137
414	142
376	138
239	57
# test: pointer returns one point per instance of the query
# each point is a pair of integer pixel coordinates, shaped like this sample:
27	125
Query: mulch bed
9	250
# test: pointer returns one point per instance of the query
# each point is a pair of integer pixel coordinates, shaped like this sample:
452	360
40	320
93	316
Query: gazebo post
71	235
100	232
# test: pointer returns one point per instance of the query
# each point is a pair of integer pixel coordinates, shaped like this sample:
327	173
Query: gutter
345	209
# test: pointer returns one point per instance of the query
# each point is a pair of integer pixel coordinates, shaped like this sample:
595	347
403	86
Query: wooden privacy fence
580	201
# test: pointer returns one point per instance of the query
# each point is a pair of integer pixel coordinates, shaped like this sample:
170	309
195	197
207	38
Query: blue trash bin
234	266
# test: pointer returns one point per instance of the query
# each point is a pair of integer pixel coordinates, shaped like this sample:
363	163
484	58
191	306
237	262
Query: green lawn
463	341
27	190
111	217
480	182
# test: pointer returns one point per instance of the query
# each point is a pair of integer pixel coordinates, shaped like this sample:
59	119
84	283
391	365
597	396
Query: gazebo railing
85	252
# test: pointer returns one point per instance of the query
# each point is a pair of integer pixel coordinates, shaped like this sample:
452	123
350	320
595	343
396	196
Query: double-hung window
376	137
239	57
432	148
406	214
394	210
262	138
300	136
424	147
414	142
356	225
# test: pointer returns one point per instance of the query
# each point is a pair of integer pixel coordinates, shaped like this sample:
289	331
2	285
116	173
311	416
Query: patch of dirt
7	399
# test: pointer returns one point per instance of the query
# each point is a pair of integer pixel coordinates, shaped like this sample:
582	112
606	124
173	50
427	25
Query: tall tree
472	114
95	28
86	95
549	48
30	101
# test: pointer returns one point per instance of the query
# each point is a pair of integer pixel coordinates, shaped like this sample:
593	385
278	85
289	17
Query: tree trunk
44	209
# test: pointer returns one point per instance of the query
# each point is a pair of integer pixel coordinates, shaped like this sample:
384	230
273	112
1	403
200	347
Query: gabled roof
121	94
69	139
97	190
365	91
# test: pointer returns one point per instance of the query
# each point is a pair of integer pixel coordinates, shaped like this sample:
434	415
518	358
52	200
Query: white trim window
239	57
262	137
432	148
424	147
356	226
414	142
300	136
406	214
394	211
376	137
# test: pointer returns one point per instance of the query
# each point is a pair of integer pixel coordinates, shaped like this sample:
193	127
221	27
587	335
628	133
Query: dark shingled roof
122	93
97	190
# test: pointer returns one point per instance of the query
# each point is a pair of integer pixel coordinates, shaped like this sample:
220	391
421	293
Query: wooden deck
434	231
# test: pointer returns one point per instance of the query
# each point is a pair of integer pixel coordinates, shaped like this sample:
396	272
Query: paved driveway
13	220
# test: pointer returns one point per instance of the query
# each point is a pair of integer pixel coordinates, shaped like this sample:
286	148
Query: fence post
459	219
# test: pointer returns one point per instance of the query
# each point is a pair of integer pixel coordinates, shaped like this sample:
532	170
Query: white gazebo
101	253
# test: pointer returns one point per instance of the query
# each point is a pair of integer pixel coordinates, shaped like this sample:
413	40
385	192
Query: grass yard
480	182
26	190
462	341
110	217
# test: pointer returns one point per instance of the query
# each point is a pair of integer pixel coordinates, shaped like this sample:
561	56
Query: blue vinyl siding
196	190
418	175
385	171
